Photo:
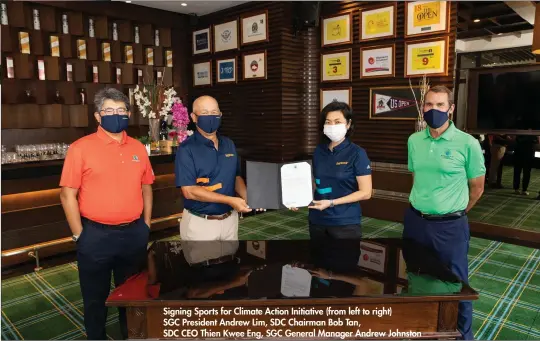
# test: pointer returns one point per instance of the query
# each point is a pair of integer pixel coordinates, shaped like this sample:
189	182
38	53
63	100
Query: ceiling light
128	1
183	4
476	20
499	34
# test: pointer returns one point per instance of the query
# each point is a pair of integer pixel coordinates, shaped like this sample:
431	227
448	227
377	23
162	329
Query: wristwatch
75	238
331	203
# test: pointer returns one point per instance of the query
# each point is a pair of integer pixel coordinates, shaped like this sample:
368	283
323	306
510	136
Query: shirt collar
108	139
340	146
201	139
448	134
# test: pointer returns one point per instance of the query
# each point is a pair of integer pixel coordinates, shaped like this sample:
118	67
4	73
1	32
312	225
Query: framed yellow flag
336	30
378	22
426	17
336	66
426	57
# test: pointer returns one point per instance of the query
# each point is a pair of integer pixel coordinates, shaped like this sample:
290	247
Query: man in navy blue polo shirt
208	171
342	173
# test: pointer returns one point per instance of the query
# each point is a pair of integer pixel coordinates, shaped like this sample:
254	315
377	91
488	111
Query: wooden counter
180	296
32	212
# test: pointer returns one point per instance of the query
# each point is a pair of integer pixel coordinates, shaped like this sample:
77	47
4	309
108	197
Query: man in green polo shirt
449	173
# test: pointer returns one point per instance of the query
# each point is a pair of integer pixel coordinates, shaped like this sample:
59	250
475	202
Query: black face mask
435	118
115	123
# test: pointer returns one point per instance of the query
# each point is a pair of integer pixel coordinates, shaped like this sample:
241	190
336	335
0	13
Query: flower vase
419	125
153	129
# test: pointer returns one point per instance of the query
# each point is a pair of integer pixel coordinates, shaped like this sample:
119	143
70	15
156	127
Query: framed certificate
254	65
426	17
378	22
377	61
426	57
226	36
336	30
254	28
202	42
393	103
226	70
336	95
373	257
202	74
336	66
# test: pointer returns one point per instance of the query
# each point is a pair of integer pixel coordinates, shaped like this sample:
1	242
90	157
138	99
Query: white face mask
335	132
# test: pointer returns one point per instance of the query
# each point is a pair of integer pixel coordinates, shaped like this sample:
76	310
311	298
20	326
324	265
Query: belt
120	226
212	217
214	261
447	216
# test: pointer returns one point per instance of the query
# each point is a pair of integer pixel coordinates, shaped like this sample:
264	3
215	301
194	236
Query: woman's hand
293	209
320	205
321	273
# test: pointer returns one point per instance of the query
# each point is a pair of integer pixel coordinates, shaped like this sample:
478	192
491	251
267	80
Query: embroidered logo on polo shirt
135	158
447	154
229	155
341	163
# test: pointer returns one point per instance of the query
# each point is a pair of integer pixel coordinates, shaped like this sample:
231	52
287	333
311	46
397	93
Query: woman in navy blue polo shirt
342	174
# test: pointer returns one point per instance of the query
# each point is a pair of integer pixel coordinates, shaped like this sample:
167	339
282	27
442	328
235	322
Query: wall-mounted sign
202	74
226	70
377	61
426	17
377	23
336	30
336	66
393	103
201	41
255	65
426	57
254	28
336	95
226	36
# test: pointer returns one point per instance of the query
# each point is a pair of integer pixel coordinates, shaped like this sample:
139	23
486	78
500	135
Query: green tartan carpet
504	207
48	305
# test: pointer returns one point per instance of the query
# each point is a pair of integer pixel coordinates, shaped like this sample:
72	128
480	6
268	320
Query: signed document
296	185
295	282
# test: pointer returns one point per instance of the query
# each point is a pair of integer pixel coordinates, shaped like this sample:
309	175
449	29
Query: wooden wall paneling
146	34
47	18
55	115
11	91
384	140
38	42
68	47
138	54
76	23
165	37
125	31
16	13
7	41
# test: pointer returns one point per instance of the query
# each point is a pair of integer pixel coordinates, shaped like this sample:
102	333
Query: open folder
271	185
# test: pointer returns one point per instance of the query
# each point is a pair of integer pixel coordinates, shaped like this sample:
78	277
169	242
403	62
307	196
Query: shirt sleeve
73	168
184	169
362	165
148	175
475	165
409	157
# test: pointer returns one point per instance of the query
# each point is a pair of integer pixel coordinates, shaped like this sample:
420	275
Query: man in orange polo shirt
106	186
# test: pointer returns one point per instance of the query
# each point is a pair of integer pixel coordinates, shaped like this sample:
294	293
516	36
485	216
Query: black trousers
336	232
102	249
523	162
335	248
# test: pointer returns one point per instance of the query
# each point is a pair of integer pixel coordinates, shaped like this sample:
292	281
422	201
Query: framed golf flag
226	70
330	95
378	22
202	74
336	30
426	17
393	103
202	43
336	66
254	65
426	57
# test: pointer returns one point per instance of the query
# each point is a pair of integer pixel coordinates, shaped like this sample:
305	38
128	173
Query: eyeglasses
111	111
213	113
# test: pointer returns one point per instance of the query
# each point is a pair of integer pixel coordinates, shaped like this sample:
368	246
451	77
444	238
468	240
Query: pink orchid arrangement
180	120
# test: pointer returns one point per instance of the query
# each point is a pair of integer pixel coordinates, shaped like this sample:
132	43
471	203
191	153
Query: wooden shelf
52	68
76	23
165	37
138	54
92	49
47	18
11	90
38	44
16	13
7	41
158	56
105	72
167	75
125	31
25	66
78	116
101	27
68	92
68	48
129	75
80	72
55	115
116	51
146	35
21	116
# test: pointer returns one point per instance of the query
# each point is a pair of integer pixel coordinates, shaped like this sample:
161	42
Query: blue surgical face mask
115	123
435	118
209	123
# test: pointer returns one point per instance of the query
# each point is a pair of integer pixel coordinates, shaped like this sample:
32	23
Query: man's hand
148	222
320	205
239	205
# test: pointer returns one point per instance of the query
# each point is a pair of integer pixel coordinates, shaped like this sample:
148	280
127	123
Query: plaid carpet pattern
504	207
48	304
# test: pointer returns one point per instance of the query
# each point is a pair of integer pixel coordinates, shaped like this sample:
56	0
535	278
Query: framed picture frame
378	61
254	28
202	41
254	65
339	94
401	268
378	22
393	103
202	74
336	66
226	70
426	18
226	36
336	30
373	257
426	57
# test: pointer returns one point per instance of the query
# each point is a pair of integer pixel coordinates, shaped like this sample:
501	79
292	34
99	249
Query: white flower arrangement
154	99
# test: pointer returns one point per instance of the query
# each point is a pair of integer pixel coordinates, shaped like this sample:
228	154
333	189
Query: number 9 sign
425	61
